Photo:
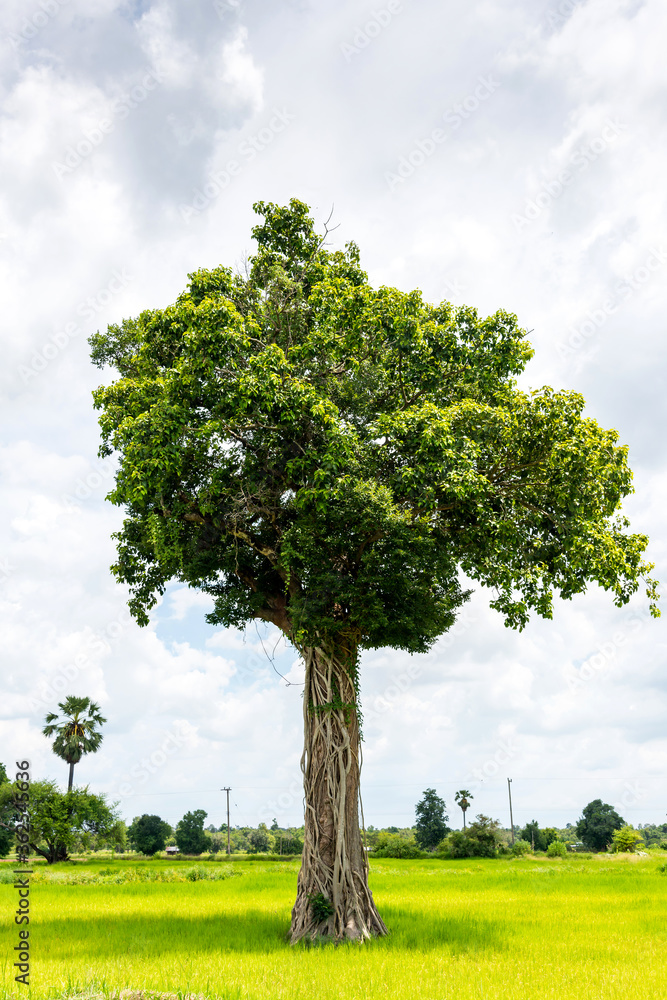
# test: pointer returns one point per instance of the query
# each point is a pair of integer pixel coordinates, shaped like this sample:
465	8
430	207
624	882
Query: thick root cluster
333	899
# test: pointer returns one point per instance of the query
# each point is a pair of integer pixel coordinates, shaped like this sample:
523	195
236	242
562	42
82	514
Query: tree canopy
328	456
76	731
148	834
190	835
58	819
597	824
431	825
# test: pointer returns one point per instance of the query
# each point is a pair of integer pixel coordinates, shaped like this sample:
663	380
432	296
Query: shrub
556	849
520	847
479	840
625	840
455	845
393	845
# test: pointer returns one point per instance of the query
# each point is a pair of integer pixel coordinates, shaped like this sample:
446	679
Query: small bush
520	847
393	845
479	840
321	907
556	849
626	840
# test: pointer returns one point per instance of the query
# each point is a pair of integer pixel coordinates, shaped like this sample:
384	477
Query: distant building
171	850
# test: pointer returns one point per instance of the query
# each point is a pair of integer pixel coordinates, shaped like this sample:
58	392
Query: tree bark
333	899
71	776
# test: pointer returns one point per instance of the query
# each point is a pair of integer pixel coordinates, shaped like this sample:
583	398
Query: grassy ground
523	929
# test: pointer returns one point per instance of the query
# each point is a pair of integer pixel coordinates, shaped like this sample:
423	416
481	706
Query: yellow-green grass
543	928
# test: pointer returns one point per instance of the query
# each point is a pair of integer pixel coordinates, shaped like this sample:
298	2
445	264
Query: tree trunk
333	899
71	776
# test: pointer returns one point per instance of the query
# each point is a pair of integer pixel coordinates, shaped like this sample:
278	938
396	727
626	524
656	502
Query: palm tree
463	798
76	733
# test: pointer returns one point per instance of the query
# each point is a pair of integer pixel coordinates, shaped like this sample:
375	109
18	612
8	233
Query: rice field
590	929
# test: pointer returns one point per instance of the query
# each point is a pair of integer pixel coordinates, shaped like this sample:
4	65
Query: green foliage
394	845
626	839
321	907
556	849
76	732
549	835
190	835
329	457
520	847
479	840
596	826
431	825
462	799
654	834
6	819
541	838
58	820
148	834
261	840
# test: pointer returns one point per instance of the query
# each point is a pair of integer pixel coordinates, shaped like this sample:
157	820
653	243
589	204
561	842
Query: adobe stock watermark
61	680
86	486
248	150
632	794
453	118
224	7
75	154
33	24
624	289
401	683
172	741
558	16
596	665
87	309
506	750
580	160
22	871
370	29
456	283
291	796
6	569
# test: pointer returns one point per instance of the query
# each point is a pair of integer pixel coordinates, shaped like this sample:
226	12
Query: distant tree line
77	821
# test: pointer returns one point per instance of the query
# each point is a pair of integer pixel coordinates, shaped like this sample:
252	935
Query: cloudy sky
499	153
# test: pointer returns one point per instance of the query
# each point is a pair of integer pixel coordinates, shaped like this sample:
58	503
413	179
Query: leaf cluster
329	456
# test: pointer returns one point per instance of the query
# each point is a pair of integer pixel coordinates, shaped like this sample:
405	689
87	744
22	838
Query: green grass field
530	928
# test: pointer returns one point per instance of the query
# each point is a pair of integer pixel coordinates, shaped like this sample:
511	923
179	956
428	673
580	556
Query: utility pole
228	790
509	791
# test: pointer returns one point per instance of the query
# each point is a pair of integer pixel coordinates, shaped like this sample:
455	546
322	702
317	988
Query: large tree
76	730
58	819
148	834
331	458
431	825
597	823
190	836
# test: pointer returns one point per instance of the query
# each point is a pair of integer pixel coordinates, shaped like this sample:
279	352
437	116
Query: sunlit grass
510	929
